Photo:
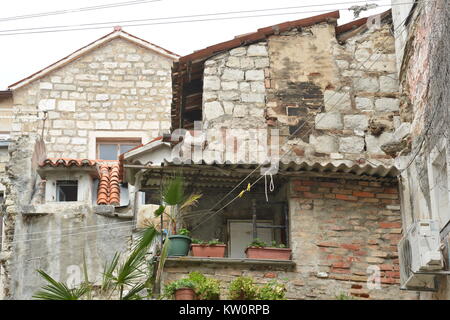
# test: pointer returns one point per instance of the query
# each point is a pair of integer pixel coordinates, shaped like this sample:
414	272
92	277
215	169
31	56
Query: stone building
71	121
325	98
421	144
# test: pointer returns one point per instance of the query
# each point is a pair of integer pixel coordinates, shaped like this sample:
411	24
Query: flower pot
179	245
268	253
185	294
202	250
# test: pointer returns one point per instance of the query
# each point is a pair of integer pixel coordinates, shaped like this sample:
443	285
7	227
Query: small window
108	149
147	197
2	197
66	190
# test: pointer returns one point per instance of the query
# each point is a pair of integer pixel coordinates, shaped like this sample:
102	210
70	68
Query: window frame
136	141
57	186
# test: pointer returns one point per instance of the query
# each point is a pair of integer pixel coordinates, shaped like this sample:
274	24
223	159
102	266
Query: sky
24	54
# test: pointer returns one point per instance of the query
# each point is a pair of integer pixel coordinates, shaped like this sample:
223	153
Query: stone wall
339	101
117	90
338	229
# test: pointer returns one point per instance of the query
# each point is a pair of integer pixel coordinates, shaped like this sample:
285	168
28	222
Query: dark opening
66	190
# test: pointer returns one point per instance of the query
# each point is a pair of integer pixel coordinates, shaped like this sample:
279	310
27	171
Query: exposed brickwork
335	236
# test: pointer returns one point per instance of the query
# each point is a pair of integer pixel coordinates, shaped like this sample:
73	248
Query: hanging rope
271	184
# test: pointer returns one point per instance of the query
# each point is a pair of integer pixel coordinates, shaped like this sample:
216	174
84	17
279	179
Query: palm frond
173	191
191	201
133	294
108	272
56	290
159	211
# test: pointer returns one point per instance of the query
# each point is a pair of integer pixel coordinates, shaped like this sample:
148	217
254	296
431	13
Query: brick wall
338	229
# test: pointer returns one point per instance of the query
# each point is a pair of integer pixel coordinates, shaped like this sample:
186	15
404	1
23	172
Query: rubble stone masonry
339	99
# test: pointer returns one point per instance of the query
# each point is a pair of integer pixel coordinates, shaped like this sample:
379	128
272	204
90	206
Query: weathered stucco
424	68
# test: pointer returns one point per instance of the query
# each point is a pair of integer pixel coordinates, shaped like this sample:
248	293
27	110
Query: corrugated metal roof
297	166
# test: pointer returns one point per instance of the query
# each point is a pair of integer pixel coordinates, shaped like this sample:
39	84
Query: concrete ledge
228	262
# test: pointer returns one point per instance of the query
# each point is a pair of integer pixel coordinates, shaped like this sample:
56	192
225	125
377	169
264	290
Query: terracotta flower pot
201	250
185	294
268	253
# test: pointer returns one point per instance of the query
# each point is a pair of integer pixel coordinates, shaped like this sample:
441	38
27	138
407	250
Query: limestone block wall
340	101
117	90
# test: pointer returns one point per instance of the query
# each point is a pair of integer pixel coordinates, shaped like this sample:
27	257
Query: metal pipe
255	232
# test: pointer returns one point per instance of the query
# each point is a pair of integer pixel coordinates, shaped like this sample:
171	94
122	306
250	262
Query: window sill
229	262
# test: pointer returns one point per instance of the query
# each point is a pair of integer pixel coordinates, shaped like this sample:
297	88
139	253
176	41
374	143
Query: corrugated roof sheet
305	166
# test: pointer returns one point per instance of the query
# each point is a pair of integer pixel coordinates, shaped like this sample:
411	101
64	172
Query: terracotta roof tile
108	191
108	187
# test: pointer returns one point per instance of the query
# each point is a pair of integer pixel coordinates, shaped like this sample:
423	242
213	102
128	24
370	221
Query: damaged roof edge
260	34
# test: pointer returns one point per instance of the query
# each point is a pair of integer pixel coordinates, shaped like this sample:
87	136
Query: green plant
205	288
257	243
55	290
132	275
343	296
172	287
209	243
175	202
272	291
261	244
243	288
184	232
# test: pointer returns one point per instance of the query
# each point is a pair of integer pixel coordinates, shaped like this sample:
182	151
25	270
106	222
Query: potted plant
243	288
175	203
195	287
205	288
260	250
212	248
183	289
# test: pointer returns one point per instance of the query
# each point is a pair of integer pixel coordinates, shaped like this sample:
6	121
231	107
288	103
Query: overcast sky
22	55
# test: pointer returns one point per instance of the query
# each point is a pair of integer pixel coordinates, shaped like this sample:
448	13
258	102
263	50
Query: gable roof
117	33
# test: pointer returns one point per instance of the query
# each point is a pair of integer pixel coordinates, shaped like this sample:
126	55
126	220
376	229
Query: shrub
261	244
205	288
184	232
272	291
243	288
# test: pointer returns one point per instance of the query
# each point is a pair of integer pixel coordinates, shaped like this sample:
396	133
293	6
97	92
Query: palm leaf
191	201
133	294
173	192
108	273
55	290
159	211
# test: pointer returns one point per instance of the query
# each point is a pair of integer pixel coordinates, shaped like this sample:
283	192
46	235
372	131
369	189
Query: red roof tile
108	191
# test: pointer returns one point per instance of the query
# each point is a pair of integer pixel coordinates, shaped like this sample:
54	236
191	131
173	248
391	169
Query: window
108	149
66	190
2	197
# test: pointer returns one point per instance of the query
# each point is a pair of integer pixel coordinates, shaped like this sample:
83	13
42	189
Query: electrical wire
75	28
66	11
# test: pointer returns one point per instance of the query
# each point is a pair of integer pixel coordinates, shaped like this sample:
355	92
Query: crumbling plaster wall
117	90
340	101
54	236
424	73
